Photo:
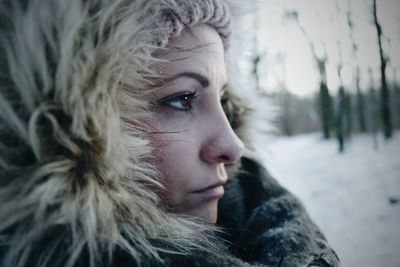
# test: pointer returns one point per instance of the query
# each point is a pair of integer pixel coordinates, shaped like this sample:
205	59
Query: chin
206	212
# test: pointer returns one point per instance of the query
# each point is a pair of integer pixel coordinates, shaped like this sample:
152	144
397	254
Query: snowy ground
351	196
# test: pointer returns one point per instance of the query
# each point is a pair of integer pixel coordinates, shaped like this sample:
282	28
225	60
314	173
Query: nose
222	144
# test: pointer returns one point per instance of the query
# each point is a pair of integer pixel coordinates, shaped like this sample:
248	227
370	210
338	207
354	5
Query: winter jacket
76	181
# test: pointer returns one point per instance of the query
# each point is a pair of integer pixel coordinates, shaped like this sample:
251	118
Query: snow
350	195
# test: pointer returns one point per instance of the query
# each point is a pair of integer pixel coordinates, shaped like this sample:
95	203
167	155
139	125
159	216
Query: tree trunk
362	121
385	100
360	104
326	110
340	111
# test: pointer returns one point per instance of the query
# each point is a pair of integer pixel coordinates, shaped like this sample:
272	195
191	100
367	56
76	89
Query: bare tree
395	99
285	98
325	99
372	109
340	104
356	75
257	57
385	99
342	107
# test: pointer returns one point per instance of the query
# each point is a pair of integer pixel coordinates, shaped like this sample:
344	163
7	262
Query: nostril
215	153
224	158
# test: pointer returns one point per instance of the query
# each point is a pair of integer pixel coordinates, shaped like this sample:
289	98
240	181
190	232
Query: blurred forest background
333	69
332	66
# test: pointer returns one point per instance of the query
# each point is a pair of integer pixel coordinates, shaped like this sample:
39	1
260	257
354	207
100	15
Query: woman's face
194	139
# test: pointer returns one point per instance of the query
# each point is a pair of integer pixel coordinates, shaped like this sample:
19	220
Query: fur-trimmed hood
73	174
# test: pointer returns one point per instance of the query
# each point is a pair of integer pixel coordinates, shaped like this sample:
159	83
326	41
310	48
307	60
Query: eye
180	102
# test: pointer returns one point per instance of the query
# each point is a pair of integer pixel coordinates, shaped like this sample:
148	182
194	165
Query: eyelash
185	100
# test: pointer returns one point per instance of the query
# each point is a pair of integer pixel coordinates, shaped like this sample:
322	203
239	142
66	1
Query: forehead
198	50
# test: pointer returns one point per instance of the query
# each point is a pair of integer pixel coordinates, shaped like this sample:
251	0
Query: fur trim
254	111
72	171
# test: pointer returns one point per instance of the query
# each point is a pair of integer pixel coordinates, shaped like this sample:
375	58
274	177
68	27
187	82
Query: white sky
288	56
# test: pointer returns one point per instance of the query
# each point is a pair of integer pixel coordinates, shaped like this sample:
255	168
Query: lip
214	191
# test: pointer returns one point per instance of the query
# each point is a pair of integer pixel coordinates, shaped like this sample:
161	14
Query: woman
116	143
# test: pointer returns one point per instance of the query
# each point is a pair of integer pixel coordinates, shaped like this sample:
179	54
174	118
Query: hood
73	175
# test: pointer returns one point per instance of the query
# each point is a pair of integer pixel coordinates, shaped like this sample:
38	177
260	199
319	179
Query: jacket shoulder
268	224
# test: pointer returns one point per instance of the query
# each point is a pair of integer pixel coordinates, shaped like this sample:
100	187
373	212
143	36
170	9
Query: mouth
213	191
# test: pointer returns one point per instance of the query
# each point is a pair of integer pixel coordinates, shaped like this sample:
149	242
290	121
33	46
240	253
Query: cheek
176	154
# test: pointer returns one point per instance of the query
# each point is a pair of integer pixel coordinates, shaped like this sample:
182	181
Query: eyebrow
204	82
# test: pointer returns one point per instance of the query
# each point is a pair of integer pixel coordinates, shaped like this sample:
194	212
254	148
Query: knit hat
184	13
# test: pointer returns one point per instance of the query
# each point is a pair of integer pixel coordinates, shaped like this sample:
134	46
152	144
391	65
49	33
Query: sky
286	53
